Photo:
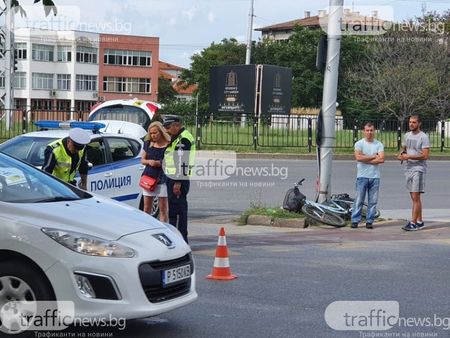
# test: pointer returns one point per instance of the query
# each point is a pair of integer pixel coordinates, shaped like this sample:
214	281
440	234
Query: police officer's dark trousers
178	207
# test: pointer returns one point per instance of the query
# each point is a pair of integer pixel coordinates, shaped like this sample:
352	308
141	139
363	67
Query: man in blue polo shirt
369	153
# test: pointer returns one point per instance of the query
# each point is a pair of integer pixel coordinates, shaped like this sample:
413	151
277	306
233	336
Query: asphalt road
240	192
287	278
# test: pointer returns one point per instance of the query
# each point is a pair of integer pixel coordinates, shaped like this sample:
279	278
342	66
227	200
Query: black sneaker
369	225
420	225
354	225
410	227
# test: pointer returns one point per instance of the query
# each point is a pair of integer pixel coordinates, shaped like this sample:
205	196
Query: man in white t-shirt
369	153
416	151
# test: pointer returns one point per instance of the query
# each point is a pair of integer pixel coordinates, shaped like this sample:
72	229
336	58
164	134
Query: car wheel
21	286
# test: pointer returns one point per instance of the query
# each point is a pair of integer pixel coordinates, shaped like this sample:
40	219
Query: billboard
276	90
232	89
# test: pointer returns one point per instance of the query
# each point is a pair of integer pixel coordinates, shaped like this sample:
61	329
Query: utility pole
248	53
329	98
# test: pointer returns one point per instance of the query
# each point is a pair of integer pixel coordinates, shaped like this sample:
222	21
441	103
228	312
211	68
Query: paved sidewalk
389	228
429	215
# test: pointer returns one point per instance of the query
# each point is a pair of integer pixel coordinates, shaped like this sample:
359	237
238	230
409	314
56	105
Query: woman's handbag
148	182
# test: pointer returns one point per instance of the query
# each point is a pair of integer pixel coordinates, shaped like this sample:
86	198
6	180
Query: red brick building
128	67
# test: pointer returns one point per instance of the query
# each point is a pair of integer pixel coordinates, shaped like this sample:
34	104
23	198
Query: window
126	84
63	105
20	51
42	52
86	54
86	82
20	80
84	106
63	81
64	53
95	153
42	81
122	112
38	104
127	58
122	149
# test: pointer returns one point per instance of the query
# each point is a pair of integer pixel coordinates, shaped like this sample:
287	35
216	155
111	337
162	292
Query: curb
276	222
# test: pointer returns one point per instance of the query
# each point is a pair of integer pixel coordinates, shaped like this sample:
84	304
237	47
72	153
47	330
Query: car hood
95	216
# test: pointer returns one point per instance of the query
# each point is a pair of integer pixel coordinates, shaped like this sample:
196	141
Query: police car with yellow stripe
114	155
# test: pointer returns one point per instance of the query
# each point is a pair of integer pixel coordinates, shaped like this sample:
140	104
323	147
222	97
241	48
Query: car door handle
142	167
108	174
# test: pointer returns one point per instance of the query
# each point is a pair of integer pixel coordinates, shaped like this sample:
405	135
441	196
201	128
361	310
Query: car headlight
88	245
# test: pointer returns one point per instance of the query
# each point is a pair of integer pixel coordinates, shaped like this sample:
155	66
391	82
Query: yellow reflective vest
170	168
64	161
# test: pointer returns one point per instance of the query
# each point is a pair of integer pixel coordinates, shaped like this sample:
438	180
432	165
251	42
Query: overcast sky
188	26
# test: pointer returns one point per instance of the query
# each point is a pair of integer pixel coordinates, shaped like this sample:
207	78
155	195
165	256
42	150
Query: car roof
61	133
143	104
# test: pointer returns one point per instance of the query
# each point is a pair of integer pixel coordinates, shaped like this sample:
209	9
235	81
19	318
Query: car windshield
122	113
28	149
22	183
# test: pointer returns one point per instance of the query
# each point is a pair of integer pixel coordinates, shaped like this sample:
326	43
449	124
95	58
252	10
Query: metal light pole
248	53
329	98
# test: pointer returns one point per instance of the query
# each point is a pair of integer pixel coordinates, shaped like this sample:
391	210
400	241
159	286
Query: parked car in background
137	111
114	155
109	260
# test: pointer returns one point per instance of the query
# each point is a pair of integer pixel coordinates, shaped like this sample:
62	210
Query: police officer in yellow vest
64	157
178	162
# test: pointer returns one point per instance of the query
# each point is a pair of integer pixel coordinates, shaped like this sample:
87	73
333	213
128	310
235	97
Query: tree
228	52
400	74
49	6
166	93
441	24
299	53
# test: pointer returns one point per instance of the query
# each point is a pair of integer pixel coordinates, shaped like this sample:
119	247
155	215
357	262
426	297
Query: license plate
176	274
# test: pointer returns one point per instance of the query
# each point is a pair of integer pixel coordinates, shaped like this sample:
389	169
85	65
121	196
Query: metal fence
300	131
235	130
19	121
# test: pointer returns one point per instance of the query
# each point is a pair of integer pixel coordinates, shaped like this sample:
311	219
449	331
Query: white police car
134	110
115	155
106	259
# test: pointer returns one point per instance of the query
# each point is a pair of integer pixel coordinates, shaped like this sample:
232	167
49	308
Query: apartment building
282	31
129	67
62	70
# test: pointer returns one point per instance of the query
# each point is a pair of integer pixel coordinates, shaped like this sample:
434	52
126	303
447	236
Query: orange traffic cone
221	269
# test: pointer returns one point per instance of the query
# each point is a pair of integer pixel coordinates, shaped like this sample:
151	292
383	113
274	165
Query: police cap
169	119
79	136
